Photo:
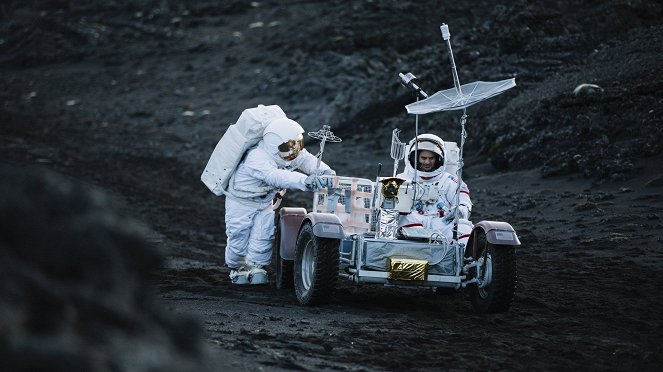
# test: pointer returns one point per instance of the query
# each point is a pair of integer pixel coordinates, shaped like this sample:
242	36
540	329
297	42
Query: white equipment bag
239	137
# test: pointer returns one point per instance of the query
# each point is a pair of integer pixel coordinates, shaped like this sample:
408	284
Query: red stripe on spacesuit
465	192
464	236
413	225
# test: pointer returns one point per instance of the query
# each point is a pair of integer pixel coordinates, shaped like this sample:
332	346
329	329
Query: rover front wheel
316	267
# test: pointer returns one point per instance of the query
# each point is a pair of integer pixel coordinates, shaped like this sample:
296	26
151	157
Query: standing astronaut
265	170
434	208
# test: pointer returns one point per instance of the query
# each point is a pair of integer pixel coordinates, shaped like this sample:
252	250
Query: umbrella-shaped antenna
323	135
460	96
451	99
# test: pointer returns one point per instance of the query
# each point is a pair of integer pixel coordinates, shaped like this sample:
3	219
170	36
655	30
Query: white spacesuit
265	169
434	206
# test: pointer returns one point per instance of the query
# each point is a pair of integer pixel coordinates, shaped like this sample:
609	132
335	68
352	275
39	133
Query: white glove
328	180
463	214
449	216
313	182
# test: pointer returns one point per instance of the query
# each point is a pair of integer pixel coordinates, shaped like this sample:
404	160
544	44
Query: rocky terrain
129	99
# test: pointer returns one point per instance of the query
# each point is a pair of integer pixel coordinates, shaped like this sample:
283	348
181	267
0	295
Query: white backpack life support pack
239	137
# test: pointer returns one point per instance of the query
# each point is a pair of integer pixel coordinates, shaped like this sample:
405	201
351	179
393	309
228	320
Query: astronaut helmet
426	142
286	136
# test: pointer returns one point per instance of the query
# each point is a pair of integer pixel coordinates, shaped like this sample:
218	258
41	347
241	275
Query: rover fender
289	223
497	233
326	225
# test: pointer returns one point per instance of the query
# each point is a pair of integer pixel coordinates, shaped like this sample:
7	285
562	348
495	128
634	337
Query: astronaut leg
445	228
464	230
260	242
411	220
239	222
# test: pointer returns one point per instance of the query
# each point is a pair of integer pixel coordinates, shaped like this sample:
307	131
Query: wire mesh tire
284	276
316	267
497	284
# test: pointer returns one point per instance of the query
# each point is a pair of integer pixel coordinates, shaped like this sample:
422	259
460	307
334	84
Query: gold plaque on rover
407	269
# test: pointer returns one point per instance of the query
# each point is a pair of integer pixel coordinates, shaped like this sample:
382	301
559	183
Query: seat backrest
350	199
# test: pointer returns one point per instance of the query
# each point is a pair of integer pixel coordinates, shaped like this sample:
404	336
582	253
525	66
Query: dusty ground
132	97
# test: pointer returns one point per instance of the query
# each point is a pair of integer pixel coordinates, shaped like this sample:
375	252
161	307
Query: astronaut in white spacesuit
265	170
435	205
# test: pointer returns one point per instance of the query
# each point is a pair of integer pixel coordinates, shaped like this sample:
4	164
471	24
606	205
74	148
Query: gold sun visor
289	150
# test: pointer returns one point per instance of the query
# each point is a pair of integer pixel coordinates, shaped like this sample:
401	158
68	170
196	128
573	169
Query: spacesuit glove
449	216
327	182
313	182
327	178
463	214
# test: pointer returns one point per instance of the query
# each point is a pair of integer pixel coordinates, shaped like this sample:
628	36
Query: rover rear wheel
497	280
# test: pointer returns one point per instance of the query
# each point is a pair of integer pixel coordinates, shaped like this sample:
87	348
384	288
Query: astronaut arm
283	179
308	163
464	197
464	201
264	169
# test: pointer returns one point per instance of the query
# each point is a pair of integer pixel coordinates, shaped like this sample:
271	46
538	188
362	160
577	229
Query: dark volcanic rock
74	293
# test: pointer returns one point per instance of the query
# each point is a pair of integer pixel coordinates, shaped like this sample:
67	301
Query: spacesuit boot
256	274
239	275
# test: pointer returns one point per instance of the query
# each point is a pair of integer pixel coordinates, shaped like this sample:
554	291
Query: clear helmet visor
290	150
430	155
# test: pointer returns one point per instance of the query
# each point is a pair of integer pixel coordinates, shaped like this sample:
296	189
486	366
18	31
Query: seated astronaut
434	205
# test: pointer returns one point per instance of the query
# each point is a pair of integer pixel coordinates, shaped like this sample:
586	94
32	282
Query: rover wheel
497	282
316	267
284	268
